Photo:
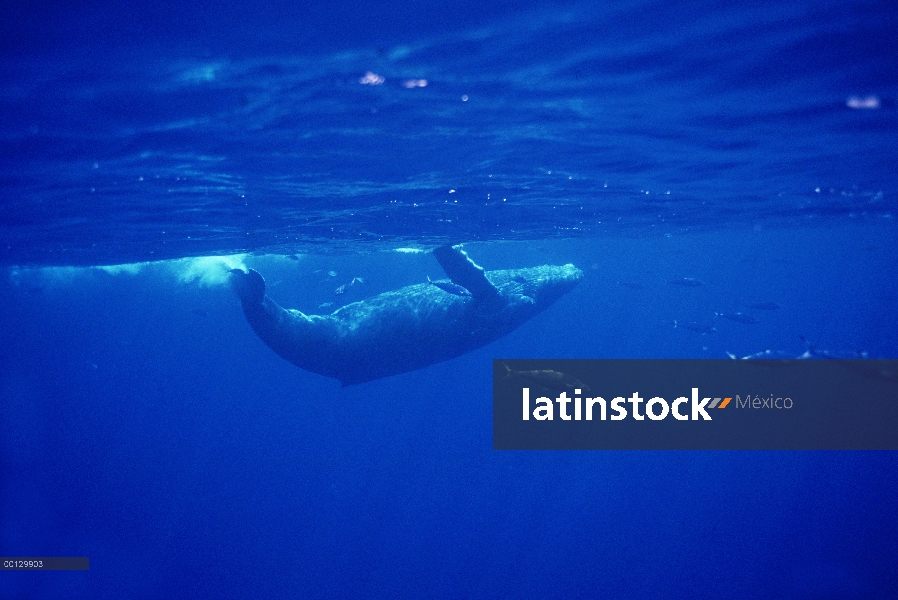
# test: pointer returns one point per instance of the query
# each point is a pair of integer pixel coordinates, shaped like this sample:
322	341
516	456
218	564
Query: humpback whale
409	328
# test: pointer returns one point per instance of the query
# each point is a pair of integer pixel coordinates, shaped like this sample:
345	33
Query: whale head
543	285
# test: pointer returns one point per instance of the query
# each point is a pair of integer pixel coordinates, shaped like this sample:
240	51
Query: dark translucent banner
695	404
44	563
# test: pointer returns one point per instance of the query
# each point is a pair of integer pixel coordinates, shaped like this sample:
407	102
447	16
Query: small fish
694	326
551	380
814	352
325	305
343	288
765	354
292	257
764	306
686	282
455	290
739	317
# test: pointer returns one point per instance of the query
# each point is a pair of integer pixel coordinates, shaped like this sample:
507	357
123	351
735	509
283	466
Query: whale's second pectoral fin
465	272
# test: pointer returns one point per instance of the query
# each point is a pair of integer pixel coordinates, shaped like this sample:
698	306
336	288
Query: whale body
409	328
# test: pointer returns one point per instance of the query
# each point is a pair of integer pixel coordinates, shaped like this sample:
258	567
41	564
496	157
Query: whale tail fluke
248	285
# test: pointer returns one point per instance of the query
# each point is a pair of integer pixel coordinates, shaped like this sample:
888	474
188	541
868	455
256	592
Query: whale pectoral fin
465	272
249	286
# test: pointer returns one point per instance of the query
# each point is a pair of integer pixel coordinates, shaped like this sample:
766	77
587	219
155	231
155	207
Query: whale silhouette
405	329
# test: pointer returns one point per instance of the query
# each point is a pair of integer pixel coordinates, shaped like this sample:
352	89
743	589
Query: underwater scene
257	260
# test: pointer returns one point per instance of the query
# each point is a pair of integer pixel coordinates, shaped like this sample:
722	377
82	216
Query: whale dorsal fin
465	272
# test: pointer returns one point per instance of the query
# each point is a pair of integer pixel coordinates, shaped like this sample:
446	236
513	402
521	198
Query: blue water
143	424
